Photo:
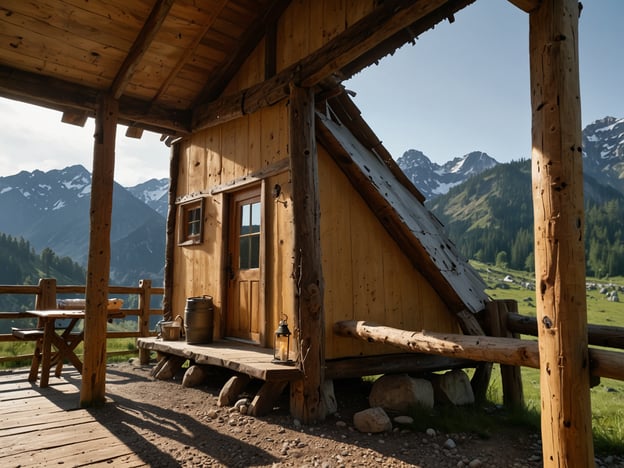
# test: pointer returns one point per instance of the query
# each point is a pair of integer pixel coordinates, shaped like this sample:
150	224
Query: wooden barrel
199	320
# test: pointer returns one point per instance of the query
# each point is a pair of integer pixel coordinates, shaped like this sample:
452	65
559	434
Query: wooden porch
44	426
253	361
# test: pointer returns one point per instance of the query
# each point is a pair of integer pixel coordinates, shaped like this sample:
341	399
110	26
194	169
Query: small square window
190	222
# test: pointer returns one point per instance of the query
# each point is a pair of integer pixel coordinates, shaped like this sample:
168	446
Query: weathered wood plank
251	360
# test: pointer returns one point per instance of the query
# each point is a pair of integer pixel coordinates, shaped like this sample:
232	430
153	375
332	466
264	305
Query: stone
404	420
401	392
329	397
453	388
372	420
194	376
450	444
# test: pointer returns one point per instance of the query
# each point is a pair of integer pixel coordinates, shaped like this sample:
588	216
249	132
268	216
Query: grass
607	398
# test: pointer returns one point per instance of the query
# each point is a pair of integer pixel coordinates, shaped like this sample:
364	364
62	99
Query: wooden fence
47	293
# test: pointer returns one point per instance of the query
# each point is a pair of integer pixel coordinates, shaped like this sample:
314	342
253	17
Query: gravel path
169	425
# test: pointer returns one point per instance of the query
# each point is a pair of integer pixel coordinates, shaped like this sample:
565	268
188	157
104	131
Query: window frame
185	237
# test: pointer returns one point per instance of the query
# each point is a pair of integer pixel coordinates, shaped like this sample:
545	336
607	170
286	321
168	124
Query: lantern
281	349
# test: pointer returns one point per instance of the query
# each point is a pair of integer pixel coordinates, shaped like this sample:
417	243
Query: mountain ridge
51	209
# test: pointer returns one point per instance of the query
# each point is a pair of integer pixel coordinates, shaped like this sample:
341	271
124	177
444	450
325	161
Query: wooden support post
171	231
306	402
92	391
46	298
559	235
511	376
144	317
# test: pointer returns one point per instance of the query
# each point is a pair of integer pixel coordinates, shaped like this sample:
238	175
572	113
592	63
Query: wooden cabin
384	257
249	95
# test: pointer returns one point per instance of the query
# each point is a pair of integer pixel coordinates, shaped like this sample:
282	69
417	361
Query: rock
453	388
372	420
476	463
400	393
194	376
242	402
450	444
404	420
329	398
430	432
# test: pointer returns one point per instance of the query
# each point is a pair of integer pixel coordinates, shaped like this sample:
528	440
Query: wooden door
244	316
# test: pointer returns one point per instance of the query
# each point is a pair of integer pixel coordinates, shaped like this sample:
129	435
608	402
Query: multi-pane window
191	222
249	238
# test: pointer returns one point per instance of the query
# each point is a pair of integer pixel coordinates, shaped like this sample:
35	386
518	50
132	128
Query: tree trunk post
559	235
92	391
170	244
306	402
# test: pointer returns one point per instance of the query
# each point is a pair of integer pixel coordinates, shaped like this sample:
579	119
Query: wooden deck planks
37	428
251	360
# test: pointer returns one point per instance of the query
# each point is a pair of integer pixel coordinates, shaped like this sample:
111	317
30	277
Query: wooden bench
27	334
31	334
37	335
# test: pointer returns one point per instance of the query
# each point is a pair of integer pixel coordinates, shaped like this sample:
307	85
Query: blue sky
462	87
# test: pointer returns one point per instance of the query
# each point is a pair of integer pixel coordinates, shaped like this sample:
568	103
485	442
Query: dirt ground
169	425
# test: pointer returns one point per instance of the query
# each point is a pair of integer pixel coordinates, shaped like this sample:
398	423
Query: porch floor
45	427
240	357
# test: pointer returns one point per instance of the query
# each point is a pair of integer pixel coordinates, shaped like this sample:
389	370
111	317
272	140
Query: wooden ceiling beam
408	34
371	31
141	44
78	118
70	97
189	51
382	24
527	5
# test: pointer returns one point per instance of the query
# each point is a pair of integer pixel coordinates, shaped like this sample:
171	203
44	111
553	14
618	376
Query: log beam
557	173
527	5
509	351
384	22
141	44
306	402
92	391
64	96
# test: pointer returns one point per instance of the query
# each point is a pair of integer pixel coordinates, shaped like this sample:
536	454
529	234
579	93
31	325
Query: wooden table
63	340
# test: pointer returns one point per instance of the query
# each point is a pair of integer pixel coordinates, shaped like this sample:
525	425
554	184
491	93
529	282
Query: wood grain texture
559	224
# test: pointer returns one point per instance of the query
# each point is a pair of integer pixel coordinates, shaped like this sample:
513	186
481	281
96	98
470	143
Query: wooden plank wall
367	276
214	157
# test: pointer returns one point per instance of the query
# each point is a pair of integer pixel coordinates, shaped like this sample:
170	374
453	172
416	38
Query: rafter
382	24
189	51
141	44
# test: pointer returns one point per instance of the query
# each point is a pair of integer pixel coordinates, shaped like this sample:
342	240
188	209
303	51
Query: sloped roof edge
410	223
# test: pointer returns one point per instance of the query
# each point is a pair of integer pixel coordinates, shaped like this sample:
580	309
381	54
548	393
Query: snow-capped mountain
51	209
153	193
603	151
433	180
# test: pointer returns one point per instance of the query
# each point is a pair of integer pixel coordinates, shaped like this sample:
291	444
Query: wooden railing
47	293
